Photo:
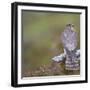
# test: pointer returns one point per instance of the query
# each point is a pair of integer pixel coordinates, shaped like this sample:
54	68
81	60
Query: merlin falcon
69	42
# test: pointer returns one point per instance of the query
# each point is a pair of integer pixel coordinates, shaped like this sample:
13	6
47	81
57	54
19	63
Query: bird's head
70	27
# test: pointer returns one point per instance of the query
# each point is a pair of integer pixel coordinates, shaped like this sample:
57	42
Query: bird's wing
59	57
62	56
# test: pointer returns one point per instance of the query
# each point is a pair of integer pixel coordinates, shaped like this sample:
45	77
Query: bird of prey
69	42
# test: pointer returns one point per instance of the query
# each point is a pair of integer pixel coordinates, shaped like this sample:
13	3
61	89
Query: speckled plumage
69	41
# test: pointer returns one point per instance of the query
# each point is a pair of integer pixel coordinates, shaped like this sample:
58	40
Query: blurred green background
41	36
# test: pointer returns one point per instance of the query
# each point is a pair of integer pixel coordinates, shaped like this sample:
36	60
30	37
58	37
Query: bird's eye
68	25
